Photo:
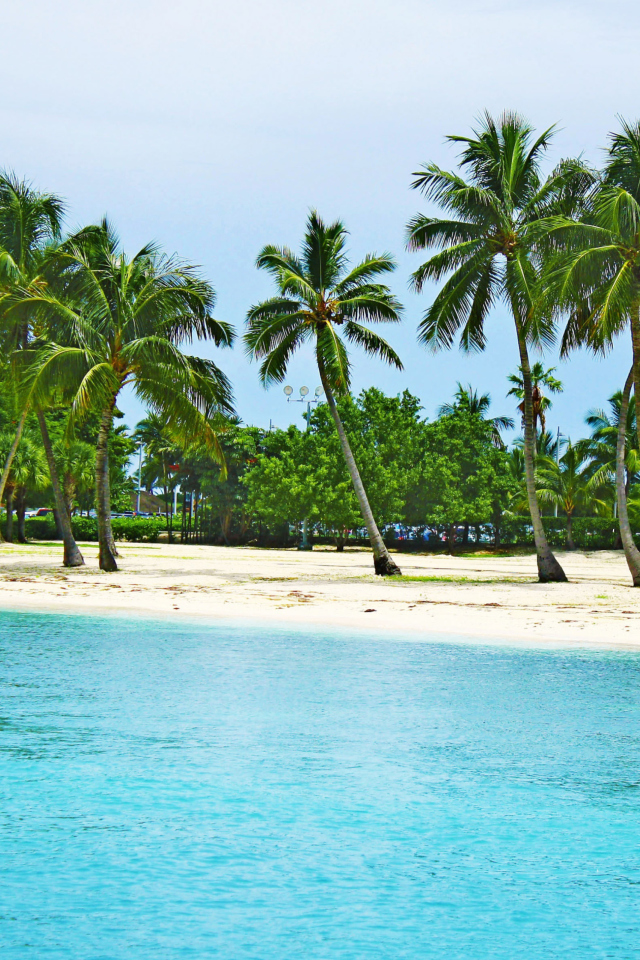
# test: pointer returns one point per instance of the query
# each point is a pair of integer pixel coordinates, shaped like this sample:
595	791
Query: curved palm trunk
635	340
631	552
71	556
382	562
12	452
106	546
549	570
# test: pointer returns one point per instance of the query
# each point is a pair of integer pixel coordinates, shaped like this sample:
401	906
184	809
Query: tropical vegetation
81	320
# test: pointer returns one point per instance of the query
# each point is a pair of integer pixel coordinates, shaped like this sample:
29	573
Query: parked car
40	512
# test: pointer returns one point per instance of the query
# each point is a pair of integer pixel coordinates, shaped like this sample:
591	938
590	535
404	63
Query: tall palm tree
594	280
322	300
115	321
30	223
539	378
564	483
468	400
488	245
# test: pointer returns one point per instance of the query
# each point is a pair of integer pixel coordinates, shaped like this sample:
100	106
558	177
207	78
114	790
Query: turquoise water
183	790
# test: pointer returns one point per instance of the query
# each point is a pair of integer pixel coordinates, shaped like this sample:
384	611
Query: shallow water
182	790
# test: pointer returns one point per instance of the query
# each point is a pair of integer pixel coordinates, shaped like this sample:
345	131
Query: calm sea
175	790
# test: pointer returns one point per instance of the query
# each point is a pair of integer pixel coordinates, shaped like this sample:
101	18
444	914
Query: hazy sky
213	128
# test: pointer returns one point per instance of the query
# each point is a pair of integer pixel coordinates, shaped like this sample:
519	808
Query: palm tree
77	465
600	447
594	280
488	245
29	224
116	320
161	455
565	484
319	299
539	378
468	400
28	473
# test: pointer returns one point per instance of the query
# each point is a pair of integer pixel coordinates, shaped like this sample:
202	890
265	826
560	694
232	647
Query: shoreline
471	599
381	631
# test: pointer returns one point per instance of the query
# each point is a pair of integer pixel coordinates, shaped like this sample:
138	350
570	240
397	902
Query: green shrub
84	528
133	529
40	528
140	529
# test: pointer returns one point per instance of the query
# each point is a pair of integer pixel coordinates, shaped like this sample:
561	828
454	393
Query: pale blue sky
212	128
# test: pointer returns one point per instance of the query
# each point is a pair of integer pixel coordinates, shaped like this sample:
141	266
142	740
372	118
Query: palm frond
372	343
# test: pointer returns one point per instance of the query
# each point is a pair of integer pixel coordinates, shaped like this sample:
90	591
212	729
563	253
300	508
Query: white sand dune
476	597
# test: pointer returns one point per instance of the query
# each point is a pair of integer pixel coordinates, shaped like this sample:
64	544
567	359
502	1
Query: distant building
149	503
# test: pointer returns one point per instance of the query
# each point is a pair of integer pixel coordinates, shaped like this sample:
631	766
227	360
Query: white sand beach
482	597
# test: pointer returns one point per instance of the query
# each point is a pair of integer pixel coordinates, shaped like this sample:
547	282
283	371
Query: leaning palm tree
323	301
468	400
540	378
488	245
115	321
29	224
594	280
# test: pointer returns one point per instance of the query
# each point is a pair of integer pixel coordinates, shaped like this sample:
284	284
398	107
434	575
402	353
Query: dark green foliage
589	533
134	529
302	474
463	476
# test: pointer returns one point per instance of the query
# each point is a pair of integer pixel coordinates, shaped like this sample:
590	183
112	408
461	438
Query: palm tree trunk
106	553
382	562
12	452
21	509
451	539
9	526
71	556
631	552
549	570
570	544
635	339
543	422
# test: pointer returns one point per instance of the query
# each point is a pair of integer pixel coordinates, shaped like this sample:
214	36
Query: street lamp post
304	543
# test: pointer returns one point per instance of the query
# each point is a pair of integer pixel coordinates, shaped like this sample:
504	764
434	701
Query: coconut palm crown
488	253
323	301
115	321
594	280
541	404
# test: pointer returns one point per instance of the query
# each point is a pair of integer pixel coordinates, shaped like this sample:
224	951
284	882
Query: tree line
441	483
80	320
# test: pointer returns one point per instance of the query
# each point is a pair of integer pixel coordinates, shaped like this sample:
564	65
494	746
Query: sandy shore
483	597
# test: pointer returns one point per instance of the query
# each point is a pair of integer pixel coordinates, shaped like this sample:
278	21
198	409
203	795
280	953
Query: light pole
304	543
